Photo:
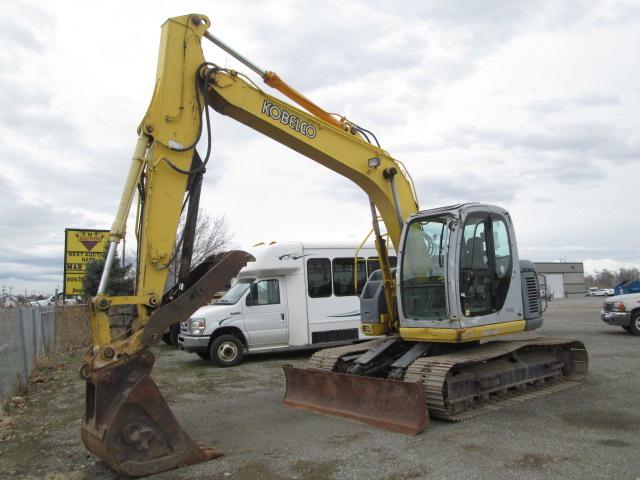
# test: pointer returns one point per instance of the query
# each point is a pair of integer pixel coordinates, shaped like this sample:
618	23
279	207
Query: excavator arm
127	423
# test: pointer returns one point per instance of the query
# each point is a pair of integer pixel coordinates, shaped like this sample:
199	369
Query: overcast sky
534	106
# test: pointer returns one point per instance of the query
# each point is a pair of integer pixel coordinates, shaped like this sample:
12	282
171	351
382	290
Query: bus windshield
234	294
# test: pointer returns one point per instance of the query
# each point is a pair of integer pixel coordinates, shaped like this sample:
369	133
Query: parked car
294	296
623	311
610	292
600	292
54	300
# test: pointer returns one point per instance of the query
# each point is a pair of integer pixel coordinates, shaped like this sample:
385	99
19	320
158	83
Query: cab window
503	260
485	264
422	273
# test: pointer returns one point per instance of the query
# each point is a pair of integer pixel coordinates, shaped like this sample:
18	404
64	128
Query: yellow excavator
458	282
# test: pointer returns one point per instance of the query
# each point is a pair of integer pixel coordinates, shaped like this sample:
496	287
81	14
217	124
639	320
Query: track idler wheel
128	424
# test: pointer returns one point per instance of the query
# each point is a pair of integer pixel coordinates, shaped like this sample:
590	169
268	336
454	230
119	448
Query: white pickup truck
623	311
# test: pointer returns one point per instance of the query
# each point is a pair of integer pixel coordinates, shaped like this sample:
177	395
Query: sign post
80	247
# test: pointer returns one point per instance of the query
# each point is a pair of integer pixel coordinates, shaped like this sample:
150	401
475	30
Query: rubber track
433	373
327	358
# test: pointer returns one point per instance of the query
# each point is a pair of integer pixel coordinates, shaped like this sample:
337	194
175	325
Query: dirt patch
45	365
613	442
310	470
253	470
532	461
5	422
346	438
58	476
409	475
606	420
48	419
475	448
383	455
240	411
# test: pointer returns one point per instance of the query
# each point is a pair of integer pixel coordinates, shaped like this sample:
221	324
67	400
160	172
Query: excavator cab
458	269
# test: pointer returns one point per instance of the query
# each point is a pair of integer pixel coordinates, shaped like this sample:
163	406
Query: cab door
265	313
488	270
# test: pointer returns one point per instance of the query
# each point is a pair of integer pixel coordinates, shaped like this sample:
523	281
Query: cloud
15	34
452	187
592	139
571	104
592	266
494	101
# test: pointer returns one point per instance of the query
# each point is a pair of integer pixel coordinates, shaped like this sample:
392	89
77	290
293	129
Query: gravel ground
591	431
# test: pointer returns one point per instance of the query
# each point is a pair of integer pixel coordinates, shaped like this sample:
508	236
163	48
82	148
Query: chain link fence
25	335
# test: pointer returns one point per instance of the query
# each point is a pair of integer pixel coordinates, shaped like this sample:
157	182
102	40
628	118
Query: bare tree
627	274
589	280
211	237
608	279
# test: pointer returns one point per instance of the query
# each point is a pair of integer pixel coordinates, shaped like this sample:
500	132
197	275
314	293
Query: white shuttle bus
296	295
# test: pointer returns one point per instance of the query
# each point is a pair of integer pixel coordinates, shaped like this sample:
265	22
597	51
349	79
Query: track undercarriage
452	382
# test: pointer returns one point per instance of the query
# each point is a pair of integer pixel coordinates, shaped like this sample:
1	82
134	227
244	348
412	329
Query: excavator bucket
127	422
390	404
129	425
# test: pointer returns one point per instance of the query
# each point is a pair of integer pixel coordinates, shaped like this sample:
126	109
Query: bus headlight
197	325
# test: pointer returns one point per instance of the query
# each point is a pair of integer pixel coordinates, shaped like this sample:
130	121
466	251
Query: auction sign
80	247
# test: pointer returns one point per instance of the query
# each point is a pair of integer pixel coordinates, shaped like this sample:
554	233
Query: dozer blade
390	404
128	424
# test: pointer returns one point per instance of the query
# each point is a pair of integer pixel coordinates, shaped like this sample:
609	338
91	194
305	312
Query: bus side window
343	281
319	277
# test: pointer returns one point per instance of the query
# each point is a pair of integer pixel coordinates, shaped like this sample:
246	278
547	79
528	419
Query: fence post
35	334
24	344
42	334
55	327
